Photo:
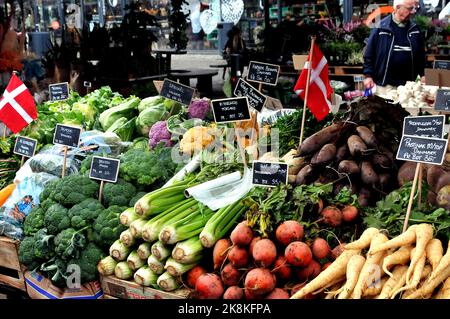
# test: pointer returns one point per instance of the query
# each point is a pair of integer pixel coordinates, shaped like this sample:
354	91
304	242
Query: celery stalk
127	238
186	252
128	216
155	265
106	266
160	251
145	276
136	228
123	271
119	251
134	261
167	282
176	269
144	250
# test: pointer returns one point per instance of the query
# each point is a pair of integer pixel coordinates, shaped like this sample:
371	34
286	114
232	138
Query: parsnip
431	284
416	276
424	233
354	267
407	238
398	273
375	288
364	240
444	292
434	252
399	257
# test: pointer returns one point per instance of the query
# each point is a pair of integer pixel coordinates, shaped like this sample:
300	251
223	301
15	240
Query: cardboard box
437	77
299	61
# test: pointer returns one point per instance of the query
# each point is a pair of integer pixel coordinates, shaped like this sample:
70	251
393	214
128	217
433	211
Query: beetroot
298	254
238	257
282	269
242	234
264	252
209	286
278	293
260	281
234	292
230	275
288	232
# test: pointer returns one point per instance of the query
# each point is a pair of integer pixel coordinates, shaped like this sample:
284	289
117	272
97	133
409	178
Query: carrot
336	270
365	239
444	292
375	288
434	252
399	257
424	233
354	268
407	238
5	193
443	264
416	275
220	252
397	274
372	264
431	284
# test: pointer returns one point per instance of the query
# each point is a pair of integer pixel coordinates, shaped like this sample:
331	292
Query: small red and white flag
17	107
319	95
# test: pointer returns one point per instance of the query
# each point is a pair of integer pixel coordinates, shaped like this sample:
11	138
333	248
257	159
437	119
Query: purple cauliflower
159	133
198	109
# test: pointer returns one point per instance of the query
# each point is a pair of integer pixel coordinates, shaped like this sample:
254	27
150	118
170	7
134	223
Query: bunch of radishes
260	268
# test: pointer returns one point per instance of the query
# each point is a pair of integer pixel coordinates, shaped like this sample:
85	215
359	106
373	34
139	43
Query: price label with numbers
422	149
269	174
67	135
231	110
104	169
59	91
25	146
264	73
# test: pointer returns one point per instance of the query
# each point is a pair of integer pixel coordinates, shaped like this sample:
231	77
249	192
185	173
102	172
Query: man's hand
368	83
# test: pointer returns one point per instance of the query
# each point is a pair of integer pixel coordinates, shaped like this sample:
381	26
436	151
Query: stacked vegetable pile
411	265
358	152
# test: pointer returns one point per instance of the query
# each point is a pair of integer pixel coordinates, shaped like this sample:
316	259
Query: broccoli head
84	213
119	193
43	244
26	253
56	219
69	243
135	198
107	226
56	270
73	189
86	165
88	261
45	205
34	221
48	189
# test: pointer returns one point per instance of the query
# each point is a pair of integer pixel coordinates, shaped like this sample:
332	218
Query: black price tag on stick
422	149
442	102
25	146
255	98
441	65
269	174
59	91
104	169
67	135
231	110
177	92
263	73
424	126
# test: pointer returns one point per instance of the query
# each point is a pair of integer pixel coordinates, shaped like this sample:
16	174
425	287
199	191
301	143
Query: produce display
334	231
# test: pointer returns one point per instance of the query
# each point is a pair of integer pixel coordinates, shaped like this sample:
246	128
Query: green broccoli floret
44	244
73	189
135	198
107	226
45	205
26	253
86	165
56	270
88	261
48	189
119	193
84	213
34	221
69	243
56	219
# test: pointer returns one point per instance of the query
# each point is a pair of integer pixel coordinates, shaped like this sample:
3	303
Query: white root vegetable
375	288
407	238
399	257
424	233
416	275
364	240
398	273
354	268
434	252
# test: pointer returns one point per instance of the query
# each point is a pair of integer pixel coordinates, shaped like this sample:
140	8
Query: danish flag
319	95
17	107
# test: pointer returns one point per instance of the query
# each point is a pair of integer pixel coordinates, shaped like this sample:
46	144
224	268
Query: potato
368	175
342	153
384	180
367	136
356	145
348	167
444	180
316	141
326	154
443	197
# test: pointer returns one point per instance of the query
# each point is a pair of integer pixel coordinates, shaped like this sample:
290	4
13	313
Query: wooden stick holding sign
411	196
105	170
308	77
63	173
67	136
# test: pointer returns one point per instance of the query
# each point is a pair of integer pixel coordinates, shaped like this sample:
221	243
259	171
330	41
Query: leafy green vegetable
43	244
34	221
69	243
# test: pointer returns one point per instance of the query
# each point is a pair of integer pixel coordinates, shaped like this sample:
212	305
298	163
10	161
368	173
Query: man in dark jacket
395	52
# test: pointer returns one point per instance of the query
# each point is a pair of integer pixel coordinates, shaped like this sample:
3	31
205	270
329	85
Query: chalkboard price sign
25	146
269	174
442	102
422	149
263	73
67	135
231	110
177	92
59	91
255	98
104	169
425	126
441	64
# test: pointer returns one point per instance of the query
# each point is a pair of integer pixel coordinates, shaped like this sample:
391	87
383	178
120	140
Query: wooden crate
11	272
118	288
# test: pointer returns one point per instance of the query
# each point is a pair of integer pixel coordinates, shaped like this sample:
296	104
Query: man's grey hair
398	3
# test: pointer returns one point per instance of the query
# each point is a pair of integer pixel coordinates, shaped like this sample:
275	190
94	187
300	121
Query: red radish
230	275
238	256
242	234
298	254
316	268
320	248
349	213
249	295
260	281
234	292
282	269
309	272
337	251
332	216
193	275
252	244
288	232
325	266
220	252
264	252
209	286
278	293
